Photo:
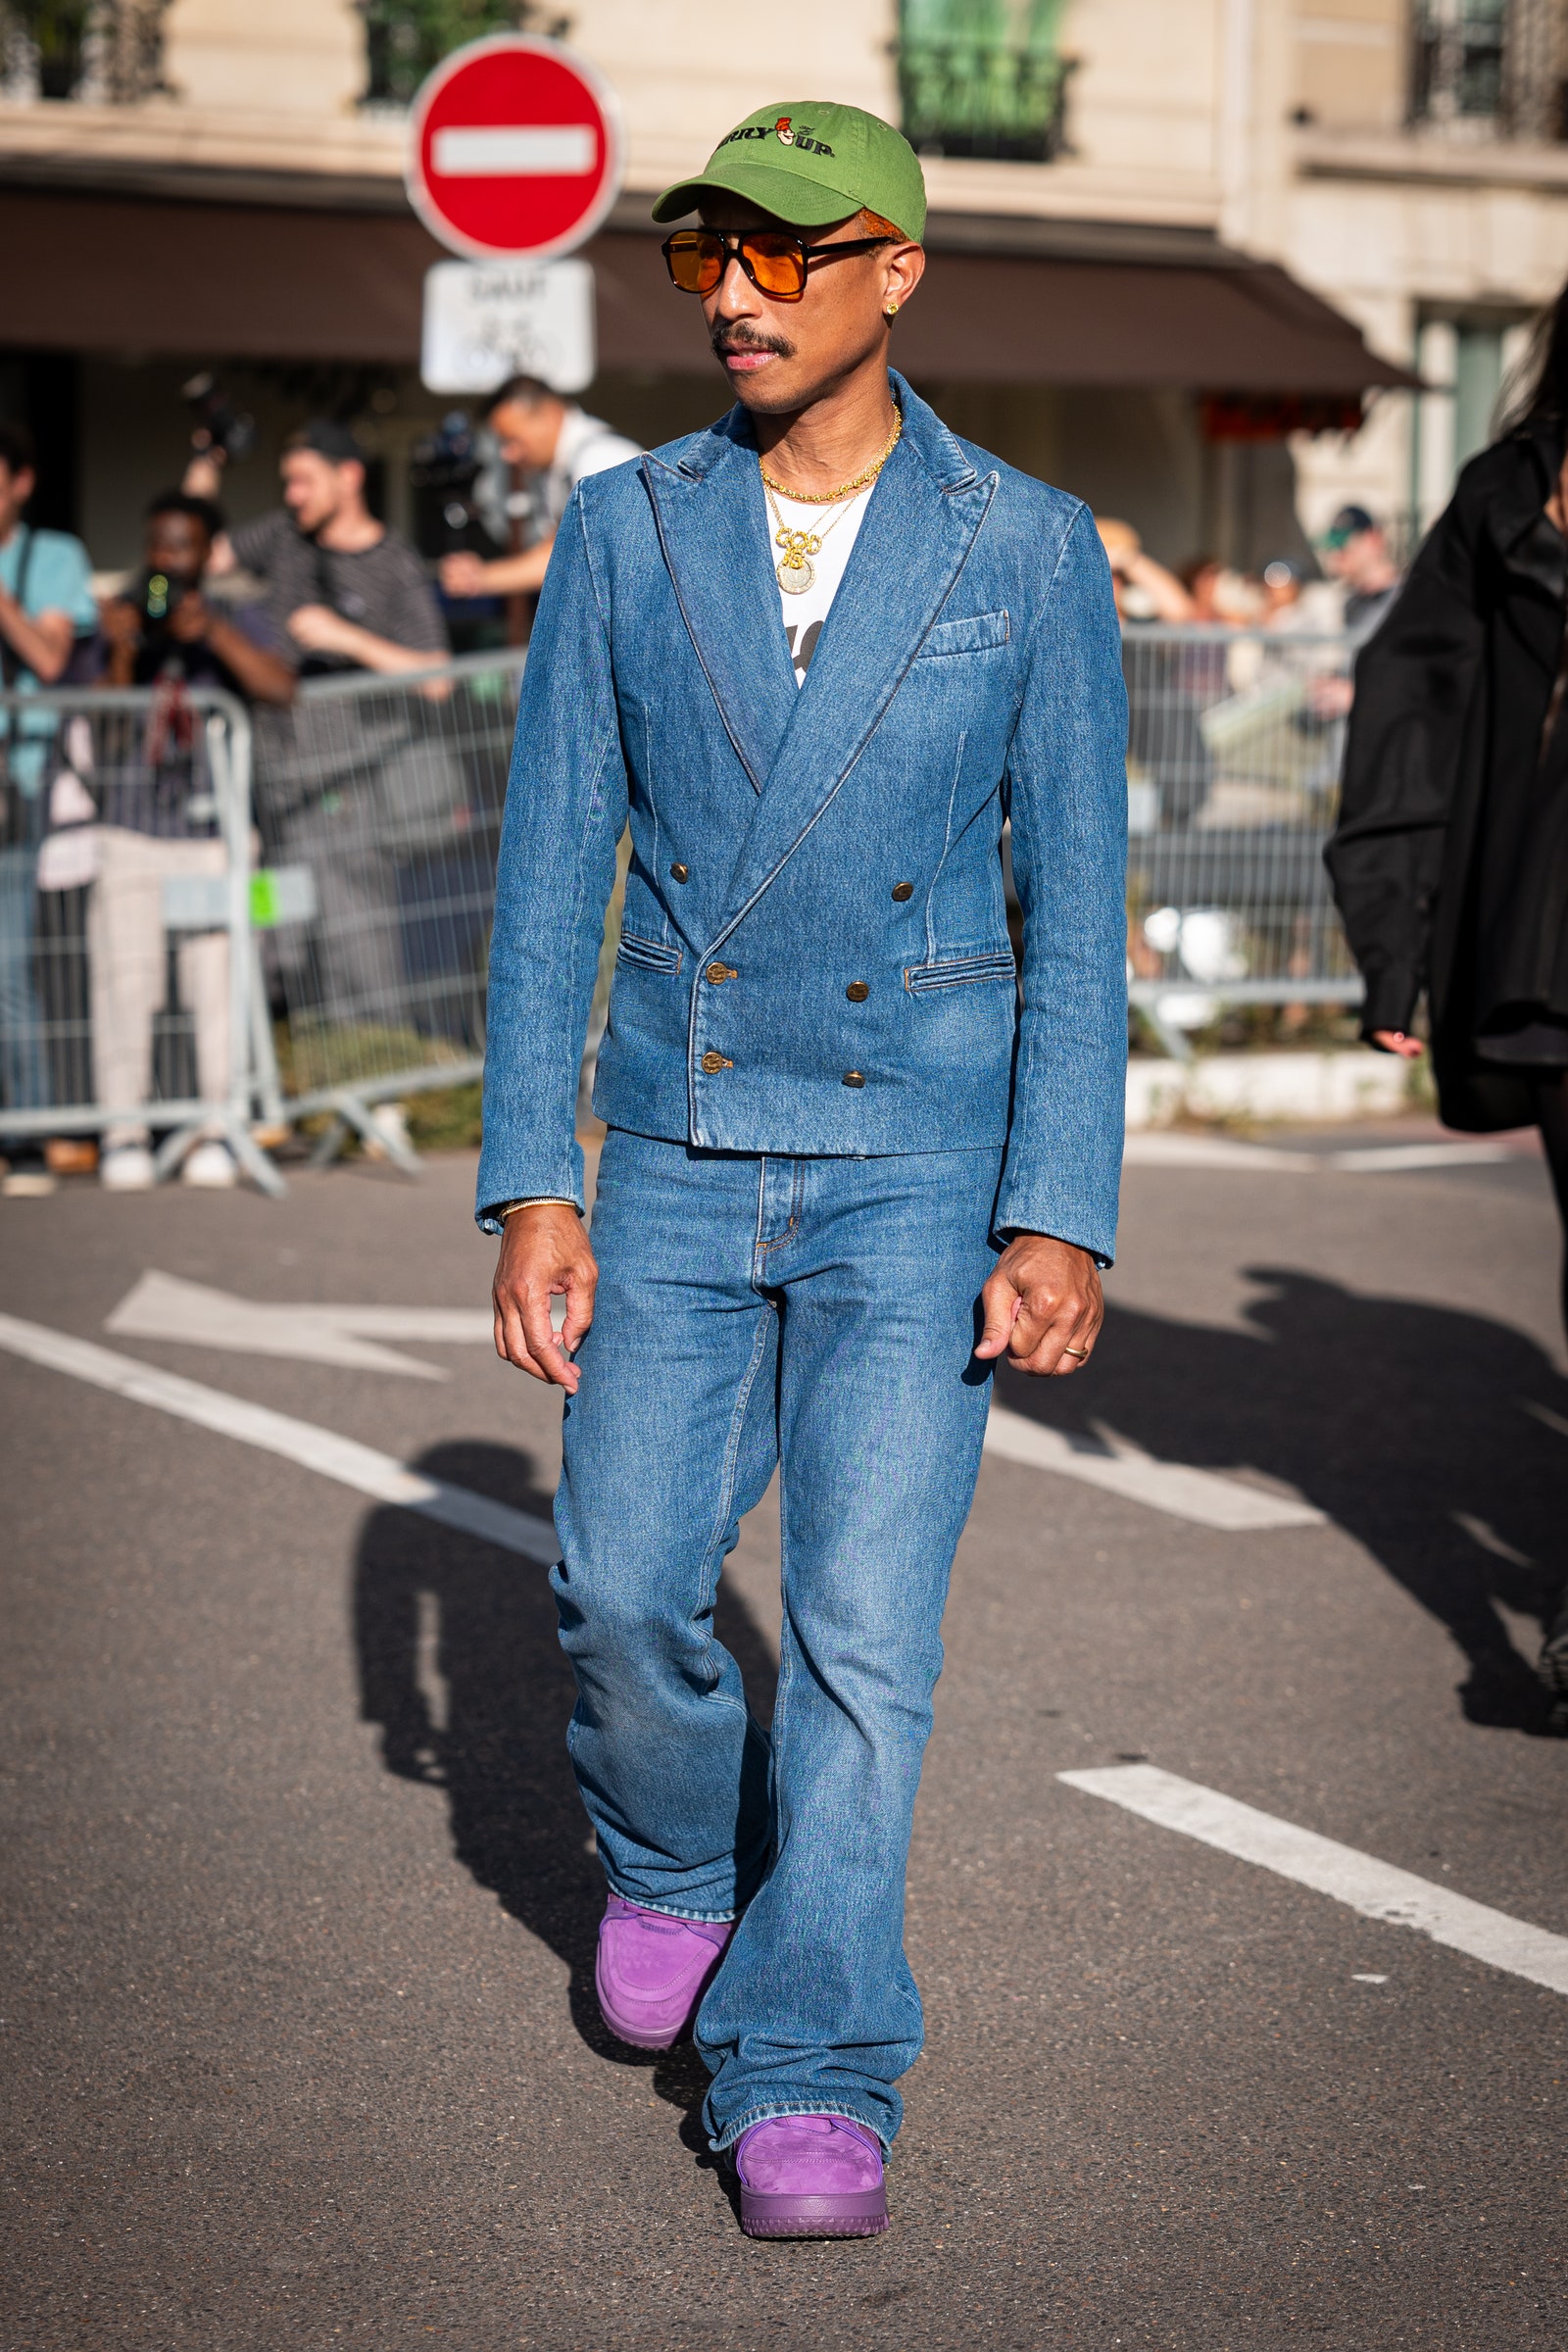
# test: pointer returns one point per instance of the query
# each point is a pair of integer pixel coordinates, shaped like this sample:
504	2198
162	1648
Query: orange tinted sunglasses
776	262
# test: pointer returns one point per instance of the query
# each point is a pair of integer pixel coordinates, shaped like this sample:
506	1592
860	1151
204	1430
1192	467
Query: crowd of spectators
110	815
1358	580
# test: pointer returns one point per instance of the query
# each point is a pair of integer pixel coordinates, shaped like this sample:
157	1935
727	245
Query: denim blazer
814	954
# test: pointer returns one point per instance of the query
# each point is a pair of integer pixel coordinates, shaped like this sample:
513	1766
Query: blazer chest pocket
959	971
977	634
647	954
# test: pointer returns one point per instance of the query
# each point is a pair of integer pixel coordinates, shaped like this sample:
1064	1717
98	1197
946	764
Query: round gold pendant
796	576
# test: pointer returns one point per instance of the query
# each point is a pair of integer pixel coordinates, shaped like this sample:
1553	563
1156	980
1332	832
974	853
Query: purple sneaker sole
862	2214
811	2176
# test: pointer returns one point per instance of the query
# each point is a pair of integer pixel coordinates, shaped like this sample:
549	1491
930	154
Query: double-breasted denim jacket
814	954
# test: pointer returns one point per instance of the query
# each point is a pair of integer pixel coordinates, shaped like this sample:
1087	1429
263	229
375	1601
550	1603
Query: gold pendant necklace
795	571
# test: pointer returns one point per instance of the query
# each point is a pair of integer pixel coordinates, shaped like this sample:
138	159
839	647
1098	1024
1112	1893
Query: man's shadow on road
461	1667
1437	1438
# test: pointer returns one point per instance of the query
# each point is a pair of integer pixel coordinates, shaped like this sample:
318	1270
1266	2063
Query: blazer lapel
712	526
917	531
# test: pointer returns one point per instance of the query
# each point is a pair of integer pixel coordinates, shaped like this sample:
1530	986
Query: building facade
1179	247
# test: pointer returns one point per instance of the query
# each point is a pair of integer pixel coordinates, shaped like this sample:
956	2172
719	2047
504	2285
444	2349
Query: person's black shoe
1552	1667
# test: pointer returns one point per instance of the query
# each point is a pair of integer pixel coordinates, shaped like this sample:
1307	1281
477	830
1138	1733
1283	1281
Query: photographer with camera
557	445
46	607
158	819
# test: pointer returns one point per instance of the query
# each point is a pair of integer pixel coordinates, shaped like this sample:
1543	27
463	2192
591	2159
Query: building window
108	52
405	38
982	77
1490	68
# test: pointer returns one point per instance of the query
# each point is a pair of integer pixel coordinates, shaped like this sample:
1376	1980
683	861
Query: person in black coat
1451	859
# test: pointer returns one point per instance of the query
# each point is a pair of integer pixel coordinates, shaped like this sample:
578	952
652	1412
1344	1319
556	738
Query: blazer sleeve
1413	685
566	807
1068	791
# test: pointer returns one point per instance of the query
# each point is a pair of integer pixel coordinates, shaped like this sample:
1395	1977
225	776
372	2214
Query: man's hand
120	622
463	574
544	1255
1044	1305
1395	1041
191	619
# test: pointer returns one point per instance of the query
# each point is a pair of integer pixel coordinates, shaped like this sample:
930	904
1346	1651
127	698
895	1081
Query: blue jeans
24	1081
819	1315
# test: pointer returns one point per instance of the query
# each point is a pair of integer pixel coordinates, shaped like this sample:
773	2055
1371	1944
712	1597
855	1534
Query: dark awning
1056	304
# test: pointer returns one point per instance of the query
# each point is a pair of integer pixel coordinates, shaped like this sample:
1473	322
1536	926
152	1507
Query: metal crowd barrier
1234	744
125	960
214	921
378	802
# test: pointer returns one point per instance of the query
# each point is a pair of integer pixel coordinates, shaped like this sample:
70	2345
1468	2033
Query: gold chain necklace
795	570
830	498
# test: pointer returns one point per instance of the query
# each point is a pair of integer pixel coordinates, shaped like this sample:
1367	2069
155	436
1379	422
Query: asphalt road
300	1911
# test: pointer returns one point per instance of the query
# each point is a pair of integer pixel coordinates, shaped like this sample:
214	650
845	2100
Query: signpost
486	321
514	159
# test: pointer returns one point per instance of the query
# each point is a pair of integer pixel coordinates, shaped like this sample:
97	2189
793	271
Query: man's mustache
724	340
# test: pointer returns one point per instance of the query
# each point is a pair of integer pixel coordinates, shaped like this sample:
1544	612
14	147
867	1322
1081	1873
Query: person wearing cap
816	656
349	592
1355	553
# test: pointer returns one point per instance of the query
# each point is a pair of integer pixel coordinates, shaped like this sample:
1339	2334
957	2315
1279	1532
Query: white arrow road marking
161	1306
352	1464
1121	1468
511	151
1377	1889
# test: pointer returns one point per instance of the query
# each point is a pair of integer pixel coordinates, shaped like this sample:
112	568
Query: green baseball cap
810	162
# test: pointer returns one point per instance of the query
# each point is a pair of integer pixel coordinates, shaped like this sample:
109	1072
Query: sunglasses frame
733	249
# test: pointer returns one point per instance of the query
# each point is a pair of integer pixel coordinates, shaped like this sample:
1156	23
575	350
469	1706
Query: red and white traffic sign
515	147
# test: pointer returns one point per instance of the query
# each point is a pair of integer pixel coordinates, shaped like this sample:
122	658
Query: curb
1351	1083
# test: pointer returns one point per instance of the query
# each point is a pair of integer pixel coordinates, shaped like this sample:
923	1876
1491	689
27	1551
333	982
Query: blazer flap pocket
958	971
975	635
647	955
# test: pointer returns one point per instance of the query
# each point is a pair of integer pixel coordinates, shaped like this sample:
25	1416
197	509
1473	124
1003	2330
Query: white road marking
1160	1147
1121	1468
1392	1160
1377	1889
362	1467
515	151
164	1306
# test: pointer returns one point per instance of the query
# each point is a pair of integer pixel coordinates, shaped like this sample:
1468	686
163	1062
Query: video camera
155	595
444	469
217	429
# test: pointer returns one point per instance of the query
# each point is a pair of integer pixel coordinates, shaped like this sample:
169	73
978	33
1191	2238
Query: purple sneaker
811	2176
653	1970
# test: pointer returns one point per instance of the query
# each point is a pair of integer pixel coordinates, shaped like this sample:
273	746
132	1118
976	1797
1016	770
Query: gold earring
891	311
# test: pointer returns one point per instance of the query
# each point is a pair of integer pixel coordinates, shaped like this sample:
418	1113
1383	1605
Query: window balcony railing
405	38
102	52
1490	68
983	77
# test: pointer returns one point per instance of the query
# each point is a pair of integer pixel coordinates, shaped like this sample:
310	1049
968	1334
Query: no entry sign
515	147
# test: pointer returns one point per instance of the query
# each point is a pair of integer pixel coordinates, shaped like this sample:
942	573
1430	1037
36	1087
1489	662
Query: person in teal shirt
46	603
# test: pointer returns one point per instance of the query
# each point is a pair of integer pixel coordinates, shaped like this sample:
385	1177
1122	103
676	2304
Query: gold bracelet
539	1201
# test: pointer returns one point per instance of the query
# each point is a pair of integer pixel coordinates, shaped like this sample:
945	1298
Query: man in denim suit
816	656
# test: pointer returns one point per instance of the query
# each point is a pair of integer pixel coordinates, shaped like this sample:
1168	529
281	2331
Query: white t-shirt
837	528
